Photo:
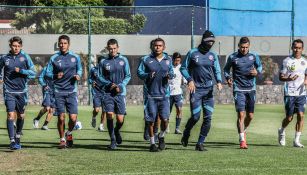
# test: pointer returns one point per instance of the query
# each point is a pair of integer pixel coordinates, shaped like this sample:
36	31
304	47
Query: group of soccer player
163	77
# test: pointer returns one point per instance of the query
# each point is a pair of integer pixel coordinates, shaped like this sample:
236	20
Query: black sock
46	123
19	125
118	126
10	129
39	115
110	126
178	121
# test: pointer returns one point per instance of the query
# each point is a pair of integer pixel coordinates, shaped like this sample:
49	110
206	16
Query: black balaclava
207	42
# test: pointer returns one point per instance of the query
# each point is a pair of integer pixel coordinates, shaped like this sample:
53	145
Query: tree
75	20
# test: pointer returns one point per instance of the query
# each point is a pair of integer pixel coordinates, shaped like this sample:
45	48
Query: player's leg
208	106
60	112
96	108
164	113
240	103
250	108
178	105
172	103
21	103
151	112
195	108
45	103
48	118
120	109
289	108
102	120
300	102
71	104
10	104
109	105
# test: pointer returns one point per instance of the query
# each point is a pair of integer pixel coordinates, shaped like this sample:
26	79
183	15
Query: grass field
90	156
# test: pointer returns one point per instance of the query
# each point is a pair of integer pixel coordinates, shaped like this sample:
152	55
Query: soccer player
17	68
48	100
66	70
97	94
176	97
201	68
245	67
156	69
114	74
294	74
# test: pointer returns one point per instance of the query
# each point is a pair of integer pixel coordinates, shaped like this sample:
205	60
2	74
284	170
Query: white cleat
45	127
297	144
35	123
101	128
281	137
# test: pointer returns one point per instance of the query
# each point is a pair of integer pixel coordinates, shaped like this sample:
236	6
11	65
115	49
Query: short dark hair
15	39
158	40
243	40
176	55
112	42
64	37
297	41
152	45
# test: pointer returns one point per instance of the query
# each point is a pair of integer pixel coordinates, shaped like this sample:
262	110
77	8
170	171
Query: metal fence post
192	27
89	53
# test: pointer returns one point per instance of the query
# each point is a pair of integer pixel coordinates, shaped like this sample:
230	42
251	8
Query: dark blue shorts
68	101
245	101
154	107
294	104
177	100
115	104
16	102
202	99
48	100
98	101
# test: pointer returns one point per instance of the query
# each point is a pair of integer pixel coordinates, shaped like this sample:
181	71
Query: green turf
89	156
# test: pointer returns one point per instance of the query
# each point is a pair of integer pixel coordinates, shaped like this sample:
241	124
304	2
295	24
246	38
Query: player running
114	74
156	69
245	67
201	68
17	68
66	70
48	100
176	97
294	74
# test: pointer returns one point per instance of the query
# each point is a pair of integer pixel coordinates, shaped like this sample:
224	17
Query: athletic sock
68	132
161	134
241	137
118	125
178	121
282	130
110	126
39	115
297	136
45	123
19	125
201	139
10	129
152	140
62	139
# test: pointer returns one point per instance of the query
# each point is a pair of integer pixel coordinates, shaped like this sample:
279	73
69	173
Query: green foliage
269	68
75	20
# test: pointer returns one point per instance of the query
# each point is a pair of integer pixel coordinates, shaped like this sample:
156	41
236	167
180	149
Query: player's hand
253	72
94	84
219	86
1	81
17	69
60	75
117	89
293	78
305	82
113	86
77	77
46	88
191	87
230	82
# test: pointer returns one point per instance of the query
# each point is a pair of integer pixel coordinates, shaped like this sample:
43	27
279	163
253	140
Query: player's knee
300	116
289	119
96	110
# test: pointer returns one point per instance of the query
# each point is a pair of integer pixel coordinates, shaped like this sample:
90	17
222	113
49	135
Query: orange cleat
243	145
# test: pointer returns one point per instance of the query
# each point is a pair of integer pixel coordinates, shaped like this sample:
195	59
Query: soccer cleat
69	140
35	123
243	145
118	137
62	144
177	131
200	147
45	127
297	144
112	146
281	137
185	140
93	122
161	143
12	146
17	143
101	128
153	148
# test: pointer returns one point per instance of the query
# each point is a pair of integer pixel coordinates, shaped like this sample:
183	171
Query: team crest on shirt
291	68
303	63
251	58
7	62
73	59
211	57
22	59
167	62
121	63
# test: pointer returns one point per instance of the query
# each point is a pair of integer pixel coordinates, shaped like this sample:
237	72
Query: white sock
152	140
241	136
282	130
18	135
162	134
297	136
69	132
12	140
62	139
